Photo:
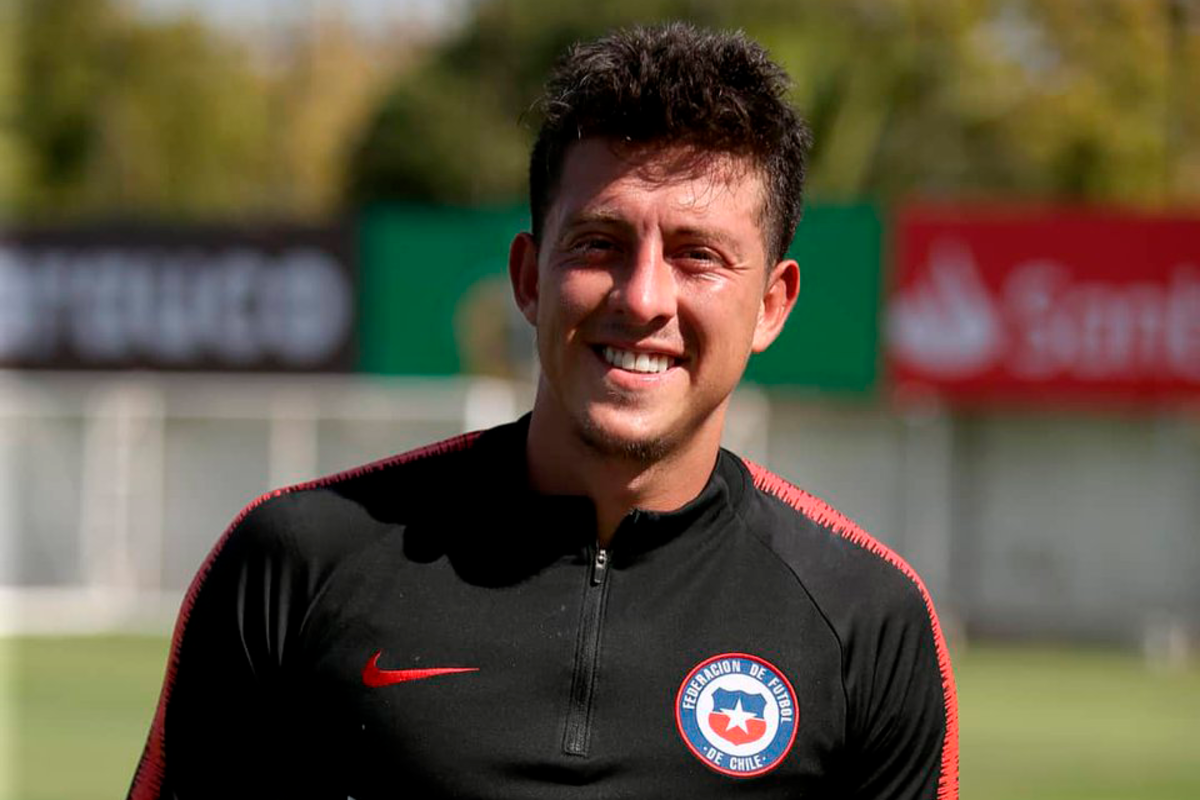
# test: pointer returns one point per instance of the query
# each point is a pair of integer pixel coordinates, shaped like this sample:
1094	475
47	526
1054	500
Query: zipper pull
599	565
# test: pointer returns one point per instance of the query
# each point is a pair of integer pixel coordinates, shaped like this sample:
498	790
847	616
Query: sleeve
906	719
228	723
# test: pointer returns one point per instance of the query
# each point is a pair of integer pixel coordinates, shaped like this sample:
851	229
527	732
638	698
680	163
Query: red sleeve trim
827	516
151	770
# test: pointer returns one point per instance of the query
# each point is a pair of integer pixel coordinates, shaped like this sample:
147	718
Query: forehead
599	173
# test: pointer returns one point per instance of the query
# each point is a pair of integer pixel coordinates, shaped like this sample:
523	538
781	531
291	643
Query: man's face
649	290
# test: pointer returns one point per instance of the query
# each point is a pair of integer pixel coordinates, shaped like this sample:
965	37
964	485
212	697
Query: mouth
644	363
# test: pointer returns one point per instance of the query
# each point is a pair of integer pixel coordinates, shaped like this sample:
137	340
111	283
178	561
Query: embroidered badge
737	713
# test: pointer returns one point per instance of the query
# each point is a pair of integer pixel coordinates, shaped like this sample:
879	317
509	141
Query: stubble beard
604	443
642	451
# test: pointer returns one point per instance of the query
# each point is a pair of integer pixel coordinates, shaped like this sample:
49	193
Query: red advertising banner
1044	304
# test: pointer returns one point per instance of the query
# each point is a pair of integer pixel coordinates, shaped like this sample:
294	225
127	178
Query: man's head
676	86
666	188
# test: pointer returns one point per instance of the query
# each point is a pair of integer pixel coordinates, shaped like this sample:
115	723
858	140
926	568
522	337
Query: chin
619	442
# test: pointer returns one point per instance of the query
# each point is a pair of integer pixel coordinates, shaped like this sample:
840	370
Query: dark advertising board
229	299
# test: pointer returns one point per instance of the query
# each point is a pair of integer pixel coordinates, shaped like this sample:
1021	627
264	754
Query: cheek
577	294
724	317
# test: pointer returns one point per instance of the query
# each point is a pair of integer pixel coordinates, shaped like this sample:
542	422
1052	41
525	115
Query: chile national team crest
737	713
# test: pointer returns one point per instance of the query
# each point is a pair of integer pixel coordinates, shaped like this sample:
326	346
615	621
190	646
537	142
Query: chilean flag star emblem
737	717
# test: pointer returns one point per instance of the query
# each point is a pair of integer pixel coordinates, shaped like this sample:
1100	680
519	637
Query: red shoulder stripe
151	769
827	516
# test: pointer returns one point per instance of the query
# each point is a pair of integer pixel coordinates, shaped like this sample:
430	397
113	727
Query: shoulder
325	517
846	569
876	603
288	543
895	663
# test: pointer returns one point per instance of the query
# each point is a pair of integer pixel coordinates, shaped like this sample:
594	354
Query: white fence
114	487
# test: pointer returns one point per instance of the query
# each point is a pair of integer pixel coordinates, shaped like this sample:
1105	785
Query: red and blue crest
737	713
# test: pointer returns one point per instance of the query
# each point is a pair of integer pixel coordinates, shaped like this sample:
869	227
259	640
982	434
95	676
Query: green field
1037	724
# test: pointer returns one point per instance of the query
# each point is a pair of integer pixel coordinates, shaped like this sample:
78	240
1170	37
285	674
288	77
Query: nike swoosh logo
375	677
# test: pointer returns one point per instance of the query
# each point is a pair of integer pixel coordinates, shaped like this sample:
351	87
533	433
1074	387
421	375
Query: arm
908	715
224	725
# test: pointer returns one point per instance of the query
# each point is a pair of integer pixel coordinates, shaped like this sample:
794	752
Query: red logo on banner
1067	305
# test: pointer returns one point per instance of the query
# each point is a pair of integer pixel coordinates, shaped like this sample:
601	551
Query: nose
646	290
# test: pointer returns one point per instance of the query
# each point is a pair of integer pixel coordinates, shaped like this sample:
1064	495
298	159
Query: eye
593	248
699	258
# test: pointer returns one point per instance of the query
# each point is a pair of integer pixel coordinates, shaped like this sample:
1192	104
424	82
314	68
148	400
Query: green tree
1074	100
10	144
119	116
457	129
116	114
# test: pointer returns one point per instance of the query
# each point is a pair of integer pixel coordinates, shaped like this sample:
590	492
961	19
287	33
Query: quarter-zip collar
571	520
642	533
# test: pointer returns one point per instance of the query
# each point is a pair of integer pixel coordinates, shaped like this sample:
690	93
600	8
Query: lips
630	361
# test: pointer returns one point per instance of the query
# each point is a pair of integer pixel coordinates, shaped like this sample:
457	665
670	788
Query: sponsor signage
270	299
1045	304
436	297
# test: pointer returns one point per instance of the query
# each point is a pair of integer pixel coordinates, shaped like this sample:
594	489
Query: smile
649	363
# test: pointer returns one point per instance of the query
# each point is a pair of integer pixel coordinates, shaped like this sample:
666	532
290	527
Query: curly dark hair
676	84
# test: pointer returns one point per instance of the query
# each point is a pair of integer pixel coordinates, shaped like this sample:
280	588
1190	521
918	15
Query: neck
561	461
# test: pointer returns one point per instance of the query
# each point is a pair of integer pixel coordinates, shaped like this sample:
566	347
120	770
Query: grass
1068	724
1037	724
81	708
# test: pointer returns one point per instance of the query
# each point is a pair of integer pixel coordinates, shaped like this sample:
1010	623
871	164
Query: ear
779	298
523	273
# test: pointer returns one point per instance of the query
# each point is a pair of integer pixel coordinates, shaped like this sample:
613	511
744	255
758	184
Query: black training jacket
427	627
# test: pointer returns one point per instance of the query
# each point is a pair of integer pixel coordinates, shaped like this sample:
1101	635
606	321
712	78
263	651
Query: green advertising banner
434	297
831	341
434	290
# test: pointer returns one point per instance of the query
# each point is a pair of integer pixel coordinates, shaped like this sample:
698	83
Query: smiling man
596	600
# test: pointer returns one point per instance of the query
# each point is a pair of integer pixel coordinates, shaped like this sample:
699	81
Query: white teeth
636	362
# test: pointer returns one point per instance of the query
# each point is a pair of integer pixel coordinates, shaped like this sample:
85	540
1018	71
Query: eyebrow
593	217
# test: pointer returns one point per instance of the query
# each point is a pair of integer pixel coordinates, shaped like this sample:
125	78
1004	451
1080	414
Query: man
596	600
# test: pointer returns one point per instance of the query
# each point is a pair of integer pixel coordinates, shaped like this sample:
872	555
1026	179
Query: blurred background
248	242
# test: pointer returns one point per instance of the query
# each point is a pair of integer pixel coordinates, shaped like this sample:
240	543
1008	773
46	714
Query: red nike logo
375	677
